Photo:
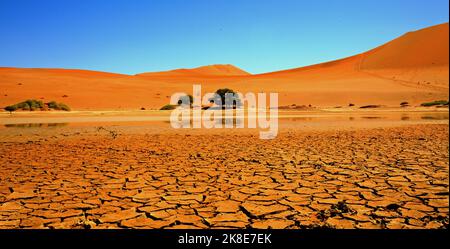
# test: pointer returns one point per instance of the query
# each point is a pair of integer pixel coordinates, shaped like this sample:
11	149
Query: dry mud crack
373	178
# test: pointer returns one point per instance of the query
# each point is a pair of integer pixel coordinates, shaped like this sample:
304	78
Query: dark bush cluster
369	106
58	106
36	105
27	105
168	107
434	103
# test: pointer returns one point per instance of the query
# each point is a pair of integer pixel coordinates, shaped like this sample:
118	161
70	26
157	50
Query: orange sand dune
419	57
57	72
424	48
211	70
412	68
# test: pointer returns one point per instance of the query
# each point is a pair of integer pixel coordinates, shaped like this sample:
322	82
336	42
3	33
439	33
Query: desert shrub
404	103
30	105
11	108
27	105
52	105
168	107
24	106
351	104
36	104
433	103
58	106
370	106
33	105
64	107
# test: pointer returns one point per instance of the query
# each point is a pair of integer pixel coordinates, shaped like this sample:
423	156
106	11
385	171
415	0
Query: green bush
33	105
27	105
433	103
64	107
52	105
168	107
58	106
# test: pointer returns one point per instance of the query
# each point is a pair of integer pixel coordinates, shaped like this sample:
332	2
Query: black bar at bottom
225	238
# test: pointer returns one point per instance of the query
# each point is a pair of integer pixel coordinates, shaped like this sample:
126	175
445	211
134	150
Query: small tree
222	93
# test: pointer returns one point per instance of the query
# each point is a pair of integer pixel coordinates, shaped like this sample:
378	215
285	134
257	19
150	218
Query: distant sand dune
211	70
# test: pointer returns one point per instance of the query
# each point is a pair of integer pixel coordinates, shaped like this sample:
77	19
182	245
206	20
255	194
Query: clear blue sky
132	36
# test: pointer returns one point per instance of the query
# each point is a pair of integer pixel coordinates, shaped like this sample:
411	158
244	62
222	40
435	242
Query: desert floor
342	169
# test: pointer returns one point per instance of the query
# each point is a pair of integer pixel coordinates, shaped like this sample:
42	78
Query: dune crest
210	70
12	71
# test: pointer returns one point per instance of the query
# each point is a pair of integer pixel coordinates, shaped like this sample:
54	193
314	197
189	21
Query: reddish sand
119	177
412	68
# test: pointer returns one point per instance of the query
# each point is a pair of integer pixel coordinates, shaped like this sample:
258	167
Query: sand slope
419	57
413	68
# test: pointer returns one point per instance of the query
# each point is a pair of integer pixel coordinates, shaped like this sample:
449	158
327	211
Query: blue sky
133	36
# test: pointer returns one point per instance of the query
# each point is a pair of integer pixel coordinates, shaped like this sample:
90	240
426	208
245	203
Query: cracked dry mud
369	178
